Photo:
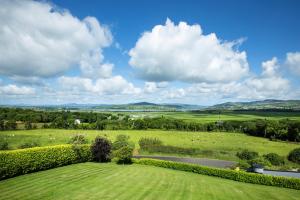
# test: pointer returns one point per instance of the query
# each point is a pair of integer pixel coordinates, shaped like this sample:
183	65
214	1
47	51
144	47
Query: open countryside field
206	116
111	181
221	145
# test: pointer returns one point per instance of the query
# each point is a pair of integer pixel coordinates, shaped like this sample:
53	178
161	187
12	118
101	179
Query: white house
77	121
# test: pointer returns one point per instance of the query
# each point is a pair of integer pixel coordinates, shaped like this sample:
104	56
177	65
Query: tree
28	125
123	155
122	141
101	149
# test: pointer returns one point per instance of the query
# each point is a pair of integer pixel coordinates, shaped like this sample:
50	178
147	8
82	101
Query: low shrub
4	145
294	156
101	149
274	159
78	139
243	164
146	143
261	161
23	161
247	155
123	155
241	176
28	145
122	141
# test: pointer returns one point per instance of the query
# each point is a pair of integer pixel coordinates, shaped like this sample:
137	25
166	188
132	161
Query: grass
111	181
206	116
221	145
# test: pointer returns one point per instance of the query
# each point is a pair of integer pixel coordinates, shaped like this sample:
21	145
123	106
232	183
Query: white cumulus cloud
293	62
12	89
37	39
182	52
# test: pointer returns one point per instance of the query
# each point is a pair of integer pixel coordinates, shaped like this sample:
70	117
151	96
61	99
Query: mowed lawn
111	181
220	145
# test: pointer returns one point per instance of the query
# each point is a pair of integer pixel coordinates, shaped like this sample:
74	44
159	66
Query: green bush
28	145
4	145
122	141
261	161
78	139
294	156
123	155
241	176
23	161
274	159
101	149
146	143
247	155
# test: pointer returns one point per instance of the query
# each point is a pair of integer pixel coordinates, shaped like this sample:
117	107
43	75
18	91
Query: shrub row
18	162
292	183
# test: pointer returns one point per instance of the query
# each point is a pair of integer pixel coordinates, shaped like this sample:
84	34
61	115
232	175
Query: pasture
111	181
219	145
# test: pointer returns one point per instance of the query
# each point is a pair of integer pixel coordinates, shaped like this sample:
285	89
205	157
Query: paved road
199	161
279	173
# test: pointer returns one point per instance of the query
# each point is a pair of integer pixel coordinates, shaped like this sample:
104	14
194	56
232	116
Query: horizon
198	53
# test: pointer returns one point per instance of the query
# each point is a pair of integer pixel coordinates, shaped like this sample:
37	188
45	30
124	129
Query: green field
111	181
222	145
205	116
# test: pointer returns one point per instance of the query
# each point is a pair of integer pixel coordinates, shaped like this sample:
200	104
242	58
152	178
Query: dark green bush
4	145
101	149
247	155
23	161
28	145
78	139
293	183
294	156
146	143
274	159
123	155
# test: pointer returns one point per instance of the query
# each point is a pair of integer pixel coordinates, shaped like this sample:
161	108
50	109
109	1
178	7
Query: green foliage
274	159
147	143
293	183
294	156
28	145
101	149
123	155
122	141
261	161
243	164
4	145
247	155
23	161
78	139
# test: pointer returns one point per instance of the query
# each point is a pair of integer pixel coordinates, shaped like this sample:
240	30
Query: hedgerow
23	161
278	181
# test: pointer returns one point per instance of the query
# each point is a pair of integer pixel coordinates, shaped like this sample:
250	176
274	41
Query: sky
111	52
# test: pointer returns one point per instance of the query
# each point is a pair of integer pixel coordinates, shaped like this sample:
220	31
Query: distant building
77	121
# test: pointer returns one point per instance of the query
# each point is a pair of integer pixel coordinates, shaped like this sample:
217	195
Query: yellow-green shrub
293	183
17	162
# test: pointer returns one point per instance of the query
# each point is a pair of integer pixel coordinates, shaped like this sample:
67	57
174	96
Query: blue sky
137	51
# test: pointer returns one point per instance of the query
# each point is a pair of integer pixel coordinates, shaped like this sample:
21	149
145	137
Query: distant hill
267	104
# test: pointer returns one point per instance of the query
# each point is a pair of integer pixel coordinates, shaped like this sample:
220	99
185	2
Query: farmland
111	181
216	144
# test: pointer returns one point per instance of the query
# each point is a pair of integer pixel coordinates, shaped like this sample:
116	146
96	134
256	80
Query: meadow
219	145
212	116
111	181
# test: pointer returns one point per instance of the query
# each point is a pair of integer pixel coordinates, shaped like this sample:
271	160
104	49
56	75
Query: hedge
23	161
246	177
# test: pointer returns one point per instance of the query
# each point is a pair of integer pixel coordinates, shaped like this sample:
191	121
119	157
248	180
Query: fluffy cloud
37	39
16	90
293	62
182	52
110	86
269	84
